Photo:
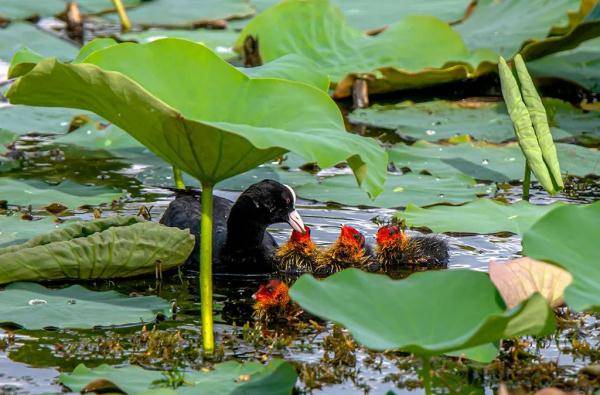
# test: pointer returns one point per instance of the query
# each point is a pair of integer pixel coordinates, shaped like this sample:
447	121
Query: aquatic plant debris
33	306
110	248
276	378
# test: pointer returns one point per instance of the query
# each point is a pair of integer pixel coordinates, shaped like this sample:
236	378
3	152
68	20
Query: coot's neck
244	230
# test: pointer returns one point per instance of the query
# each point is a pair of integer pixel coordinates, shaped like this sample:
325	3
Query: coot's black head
270	202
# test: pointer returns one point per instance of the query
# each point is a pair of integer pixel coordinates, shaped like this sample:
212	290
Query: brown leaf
518	279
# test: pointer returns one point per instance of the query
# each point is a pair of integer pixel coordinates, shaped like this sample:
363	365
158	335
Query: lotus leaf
114	247
180	117
101	6
481	216
220	41
276	378
362	15
25	9
17	35
39	194
399	191
24	119
580	65
317	30
437	120
185	13
518	279
33	306
568	237
504	26
485	161
462	309
14	230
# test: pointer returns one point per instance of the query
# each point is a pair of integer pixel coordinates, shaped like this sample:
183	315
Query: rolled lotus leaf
523	126
114	247
539	118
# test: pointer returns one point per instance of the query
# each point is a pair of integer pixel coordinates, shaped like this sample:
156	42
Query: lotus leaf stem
425	374
178	177
206	291
125	22
526	181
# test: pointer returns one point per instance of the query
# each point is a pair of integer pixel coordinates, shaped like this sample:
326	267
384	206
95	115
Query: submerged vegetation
110	108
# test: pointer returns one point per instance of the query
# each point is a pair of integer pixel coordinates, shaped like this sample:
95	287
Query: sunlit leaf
518	279
568	237
33	306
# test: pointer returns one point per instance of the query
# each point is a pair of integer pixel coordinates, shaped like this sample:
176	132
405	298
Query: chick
349	250
298	255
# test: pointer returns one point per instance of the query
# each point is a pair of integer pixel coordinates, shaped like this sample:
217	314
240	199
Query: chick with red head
397	250
349	250
272	302
298	255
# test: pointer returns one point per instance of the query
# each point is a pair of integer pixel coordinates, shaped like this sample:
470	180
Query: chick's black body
241	243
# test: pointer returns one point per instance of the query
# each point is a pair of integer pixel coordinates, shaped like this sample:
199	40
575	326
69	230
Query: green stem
526	181
206	303
425	374
178	177
125	22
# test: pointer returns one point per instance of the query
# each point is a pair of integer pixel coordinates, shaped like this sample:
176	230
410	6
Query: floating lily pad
220	41
162	110
362	15
487	162
33	306
25	9
18	35
114	247
504	26
568	237
249	378
518	279
399	191
99	6
14	230
481	216
580	65
24	119
399	58
68	193
437	120
462	309
182	13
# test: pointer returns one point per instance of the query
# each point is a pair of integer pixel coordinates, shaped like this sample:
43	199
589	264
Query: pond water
30	361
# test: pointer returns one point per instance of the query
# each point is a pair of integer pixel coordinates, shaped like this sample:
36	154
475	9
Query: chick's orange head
299	237
352	236
272	294
388	234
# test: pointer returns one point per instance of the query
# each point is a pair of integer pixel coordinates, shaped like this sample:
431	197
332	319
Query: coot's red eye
287	200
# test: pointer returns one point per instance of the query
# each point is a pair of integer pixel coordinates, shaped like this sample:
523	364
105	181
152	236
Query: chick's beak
295	221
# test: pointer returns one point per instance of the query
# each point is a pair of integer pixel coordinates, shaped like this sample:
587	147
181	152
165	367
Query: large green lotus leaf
24	9
25	119
33	306
505	25
580	65
414	52
568	236
220	41
398	191
212	125
115	247
437	120
18	35
276	378
14	230
362	14
462	309
38	193
100	6
486	162
482	216
182	13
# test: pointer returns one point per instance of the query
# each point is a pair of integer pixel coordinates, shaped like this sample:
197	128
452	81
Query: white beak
295	221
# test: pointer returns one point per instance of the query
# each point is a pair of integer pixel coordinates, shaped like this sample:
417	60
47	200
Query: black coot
241	243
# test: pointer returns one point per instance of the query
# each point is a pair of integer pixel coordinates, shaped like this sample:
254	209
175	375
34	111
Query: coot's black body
241	243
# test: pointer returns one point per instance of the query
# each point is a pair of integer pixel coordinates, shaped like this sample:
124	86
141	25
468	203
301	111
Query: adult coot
241	243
